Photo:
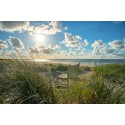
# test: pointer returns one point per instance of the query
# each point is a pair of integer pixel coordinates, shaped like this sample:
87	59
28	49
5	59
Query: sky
62	39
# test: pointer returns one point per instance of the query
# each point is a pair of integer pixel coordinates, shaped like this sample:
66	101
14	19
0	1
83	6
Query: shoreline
65	63
47	61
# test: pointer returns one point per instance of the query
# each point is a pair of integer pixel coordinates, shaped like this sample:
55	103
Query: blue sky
64	39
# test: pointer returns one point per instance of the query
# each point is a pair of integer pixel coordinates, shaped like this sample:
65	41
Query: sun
39	38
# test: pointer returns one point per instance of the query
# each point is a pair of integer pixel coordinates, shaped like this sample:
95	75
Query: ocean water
90	61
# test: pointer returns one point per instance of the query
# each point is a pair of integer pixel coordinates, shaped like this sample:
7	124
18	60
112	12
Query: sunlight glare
39	38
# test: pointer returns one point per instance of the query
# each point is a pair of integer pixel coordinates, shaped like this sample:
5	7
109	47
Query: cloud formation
100	49
103	51
73	41
57	47
78	37
117	44
44	49
51	28
3	44
107	50
85	43
11	26
97	47
97	43
16	42
65	28
34	50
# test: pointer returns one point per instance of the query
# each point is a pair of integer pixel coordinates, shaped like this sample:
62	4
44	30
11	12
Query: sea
86	61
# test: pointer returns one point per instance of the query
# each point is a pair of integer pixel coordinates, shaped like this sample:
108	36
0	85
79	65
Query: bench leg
67	83
57	83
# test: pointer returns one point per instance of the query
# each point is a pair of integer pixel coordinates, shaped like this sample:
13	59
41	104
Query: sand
65	63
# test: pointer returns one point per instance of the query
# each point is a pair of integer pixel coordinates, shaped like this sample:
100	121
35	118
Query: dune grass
21	83
92	92
112	72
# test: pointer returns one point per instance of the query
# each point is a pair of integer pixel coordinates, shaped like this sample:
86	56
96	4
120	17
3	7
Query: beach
30	82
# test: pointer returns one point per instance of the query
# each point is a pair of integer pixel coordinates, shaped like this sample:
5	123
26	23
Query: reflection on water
41	60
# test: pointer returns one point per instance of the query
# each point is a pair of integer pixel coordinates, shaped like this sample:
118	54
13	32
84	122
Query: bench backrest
73	71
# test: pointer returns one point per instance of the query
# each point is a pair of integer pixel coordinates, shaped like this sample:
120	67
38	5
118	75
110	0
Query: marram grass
22	83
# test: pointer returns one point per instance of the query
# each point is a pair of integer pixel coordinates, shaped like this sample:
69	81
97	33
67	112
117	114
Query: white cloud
73	41
116	54
81	51
65	28
100	49
57	47
16	42
51	28
41	46
78	37
97	47
104	50
107	50
117	44
45	49
97	43
96	51
52	46
85	43
49	49
61	53
34	50
55	25
11	26
3	44
72	54
5	54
